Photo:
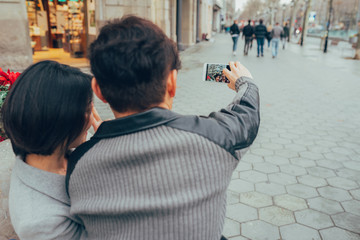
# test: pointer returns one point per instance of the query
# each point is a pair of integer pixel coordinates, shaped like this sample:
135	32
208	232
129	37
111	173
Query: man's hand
237	71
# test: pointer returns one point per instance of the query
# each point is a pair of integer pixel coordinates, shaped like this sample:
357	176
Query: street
300	179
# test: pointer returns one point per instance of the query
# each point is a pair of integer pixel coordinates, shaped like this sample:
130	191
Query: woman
46	113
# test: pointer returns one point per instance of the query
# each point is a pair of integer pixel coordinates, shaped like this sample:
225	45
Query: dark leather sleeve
234	127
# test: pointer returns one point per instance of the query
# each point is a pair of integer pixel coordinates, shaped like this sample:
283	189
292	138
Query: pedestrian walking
235	32
268	35
248	32
151	173
260	34
276	35
285	35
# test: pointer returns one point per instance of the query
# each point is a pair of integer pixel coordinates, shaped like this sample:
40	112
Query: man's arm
241	118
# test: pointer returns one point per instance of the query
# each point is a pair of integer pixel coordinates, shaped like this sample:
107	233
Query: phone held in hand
213	72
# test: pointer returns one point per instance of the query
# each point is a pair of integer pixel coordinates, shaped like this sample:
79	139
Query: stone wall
6	163
15	47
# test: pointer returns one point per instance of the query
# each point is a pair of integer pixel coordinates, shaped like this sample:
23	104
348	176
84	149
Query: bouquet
7	79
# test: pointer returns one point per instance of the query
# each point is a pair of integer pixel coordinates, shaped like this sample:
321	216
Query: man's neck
132	112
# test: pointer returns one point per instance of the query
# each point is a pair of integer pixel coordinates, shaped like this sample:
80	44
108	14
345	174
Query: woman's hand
95	119
237	70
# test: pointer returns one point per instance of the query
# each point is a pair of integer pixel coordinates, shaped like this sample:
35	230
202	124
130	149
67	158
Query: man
151	173
286	34
260	34
276	33
234	31
248	32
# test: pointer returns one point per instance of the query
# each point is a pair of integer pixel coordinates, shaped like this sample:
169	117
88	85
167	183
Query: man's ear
171	83
96	89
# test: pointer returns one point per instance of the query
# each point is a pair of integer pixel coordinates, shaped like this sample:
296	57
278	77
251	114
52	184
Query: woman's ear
96	89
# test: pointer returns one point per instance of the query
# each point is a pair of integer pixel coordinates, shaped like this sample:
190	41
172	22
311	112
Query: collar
50	184
137	122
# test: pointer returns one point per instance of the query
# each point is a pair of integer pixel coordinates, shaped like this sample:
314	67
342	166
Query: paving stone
276	160
272	146
319	149
331	164
347	221
251	158
314	219
336	157
349	174
336	233
241	212
321	172
356	194
311	155
326	143
232	197
296	147
352	206
312	181
304	141
301	191
251	230
243	166
303	162
253	176
255	199
342	150
325	205
238	238
262	152
235	175
266	167
282	178
280	140
298	232
354	165
231	228
349	145
241	186
289	136
276	215
293	170
271	189
343	183
286	153
290	202
334	193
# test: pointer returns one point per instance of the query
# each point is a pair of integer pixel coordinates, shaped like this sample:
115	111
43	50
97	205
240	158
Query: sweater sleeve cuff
240	81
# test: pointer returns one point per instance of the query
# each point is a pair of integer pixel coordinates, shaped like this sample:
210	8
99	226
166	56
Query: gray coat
39	206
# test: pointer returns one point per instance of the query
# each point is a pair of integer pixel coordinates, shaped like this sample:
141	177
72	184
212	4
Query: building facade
48	27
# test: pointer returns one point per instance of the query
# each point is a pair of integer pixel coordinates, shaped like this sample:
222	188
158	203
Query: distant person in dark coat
260	34
248	32
235	32
285	35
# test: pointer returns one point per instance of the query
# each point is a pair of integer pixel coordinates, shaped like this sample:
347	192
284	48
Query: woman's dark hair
130	60
46	108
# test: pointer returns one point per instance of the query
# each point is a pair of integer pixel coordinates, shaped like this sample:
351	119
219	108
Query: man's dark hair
46	108
261	21
249	21
131	59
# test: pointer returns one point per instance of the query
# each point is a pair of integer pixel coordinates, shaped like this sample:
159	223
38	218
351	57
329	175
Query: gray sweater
39	207
158	175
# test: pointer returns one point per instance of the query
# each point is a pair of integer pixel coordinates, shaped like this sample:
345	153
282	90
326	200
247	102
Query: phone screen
214	72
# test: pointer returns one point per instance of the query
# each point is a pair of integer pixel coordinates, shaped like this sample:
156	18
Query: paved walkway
301	177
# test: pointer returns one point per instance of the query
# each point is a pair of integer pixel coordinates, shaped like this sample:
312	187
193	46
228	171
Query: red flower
8	79
2	138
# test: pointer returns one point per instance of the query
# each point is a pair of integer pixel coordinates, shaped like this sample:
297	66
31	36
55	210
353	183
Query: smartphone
213	72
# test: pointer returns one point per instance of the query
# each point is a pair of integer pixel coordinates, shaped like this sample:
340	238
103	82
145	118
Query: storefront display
57	24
